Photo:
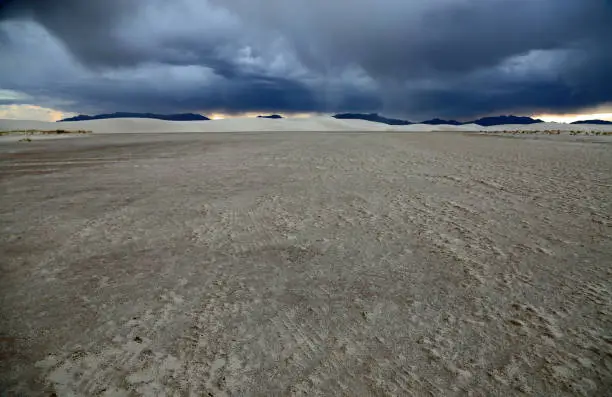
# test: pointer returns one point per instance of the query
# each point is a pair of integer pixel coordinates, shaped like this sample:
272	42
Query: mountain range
440	122
371	117
120	115
374	117
600	122
485	121
498	120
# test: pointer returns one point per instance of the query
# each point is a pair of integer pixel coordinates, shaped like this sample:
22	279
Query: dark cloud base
445	58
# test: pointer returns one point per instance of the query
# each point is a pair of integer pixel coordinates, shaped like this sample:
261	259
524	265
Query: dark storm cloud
86	27
456	58
403	38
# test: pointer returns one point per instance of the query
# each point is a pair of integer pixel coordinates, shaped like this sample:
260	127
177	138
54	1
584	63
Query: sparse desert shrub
61	131
42	132
25	140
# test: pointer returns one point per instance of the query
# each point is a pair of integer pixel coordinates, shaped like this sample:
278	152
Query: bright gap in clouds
570	118
32	112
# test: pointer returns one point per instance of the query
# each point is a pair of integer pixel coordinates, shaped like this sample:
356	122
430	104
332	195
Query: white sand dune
441	127
138	125
245	124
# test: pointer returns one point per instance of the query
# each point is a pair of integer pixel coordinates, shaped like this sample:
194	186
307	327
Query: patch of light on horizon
570	118
32	112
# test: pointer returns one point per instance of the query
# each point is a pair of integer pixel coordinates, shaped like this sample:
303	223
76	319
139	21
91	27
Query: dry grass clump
65	132
548	132
513	132
588	133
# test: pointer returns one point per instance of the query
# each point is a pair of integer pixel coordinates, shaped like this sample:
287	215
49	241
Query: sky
459	59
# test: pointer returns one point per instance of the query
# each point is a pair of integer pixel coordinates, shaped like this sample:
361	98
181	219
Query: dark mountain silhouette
485	121
600	122
440	122
498	120
371	117
374	117
120	115
272	116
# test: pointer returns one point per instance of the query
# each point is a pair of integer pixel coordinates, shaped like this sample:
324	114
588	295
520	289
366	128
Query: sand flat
306	263
250	124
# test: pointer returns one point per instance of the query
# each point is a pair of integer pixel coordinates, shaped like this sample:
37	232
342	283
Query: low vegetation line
43	132
548	132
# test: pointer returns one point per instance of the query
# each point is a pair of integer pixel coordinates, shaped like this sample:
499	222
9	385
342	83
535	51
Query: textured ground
306	264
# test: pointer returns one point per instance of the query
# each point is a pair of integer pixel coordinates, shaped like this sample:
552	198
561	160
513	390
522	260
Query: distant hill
485	121
441	122
600	122
499	120
371	117
121	115
272	116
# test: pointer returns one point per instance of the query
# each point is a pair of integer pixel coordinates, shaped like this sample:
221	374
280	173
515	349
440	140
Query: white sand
137	125
319	123
306	264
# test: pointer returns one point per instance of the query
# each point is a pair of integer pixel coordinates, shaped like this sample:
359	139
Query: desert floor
306	264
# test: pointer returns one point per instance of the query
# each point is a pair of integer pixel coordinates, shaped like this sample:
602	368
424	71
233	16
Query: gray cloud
450	58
